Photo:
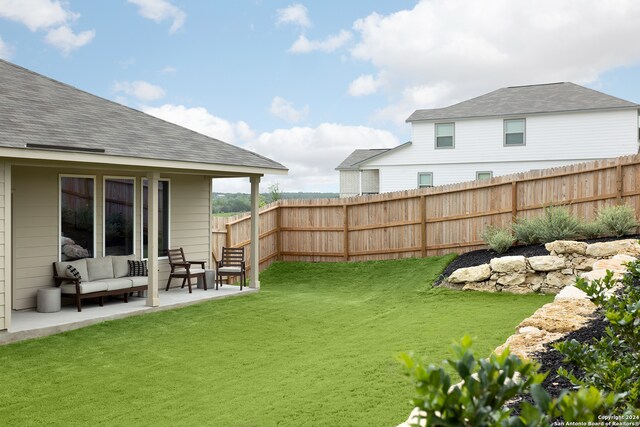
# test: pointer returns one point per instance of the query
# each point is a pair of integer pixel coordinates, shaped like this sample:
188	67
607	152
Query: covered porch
28	324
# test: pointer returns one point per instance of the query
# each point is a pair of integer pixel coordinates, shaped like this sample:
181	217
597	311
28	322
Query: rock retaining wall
548	273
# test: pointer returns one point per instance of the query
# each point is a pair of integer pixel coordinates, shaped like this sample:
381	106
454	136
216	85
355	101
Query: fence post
228	236
346	232
423	224
514	200
619	183
278	236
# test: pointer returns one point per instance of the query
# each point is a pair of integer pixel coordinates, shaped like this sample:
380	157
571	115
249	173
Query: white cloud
284	109
311	154
160	10
64	39
5	50
295	14
331	43
364	85
36	14
48	15
168	70
200	120
144	91
444	51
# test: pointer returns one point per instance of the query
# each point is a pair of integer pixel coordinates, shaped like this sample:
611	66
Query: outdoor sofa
100	277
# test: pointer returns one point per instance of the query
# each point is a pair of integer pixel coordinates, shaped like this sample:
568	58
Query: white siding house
510	130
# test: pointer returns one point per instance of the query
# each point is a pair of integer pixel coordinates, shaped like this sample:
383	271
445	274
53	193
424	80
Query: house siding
349	183
36	223
5	244
551	140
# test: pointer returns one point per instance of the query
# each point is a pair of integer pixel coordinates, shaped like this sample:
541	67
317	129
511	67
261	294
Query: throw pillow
138	268
74	272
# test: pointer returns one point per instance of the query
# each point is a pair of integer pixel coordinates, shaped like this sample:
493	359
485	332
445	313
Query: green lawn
315	347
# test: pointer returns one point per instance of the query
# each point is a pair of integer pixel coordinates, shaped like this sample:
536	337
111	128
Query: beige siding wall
36	223
5	215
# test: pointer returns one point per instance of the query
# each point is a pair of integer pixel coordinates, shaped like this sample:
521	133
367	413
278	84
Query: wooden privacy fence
430	221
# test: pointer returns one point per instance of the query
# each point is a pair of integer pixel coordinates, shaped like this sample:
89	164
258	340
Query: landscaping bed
483	256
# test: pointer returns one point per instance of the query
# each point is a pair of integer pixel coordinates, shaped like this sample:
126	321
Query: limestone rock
599	274
509	264
532	279
583	263
488	286
546	263
607	249
558	280
536	288
471	274
615	264
563	316
531	341
567	271
571	292
518	290
513	279
566	247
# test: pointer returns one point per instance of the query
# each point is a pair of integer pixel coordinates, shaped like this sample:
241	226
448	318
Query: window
484	175
514	132
119	198
77	206
425	179
444	135
163	217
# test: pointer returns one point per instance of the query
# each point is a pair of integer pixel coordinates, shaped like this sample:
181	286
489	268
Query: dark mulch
483	256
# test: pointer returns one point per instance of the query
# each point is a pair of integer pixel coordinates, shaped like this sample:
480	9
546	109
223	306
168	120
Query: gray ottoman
211	279
48	300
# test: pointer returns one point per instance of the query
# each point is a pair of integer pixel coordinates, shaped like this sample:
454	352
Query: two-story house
513	129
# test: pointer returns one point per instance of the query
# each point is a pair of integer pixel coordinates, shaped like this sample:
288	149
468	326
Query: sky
306	83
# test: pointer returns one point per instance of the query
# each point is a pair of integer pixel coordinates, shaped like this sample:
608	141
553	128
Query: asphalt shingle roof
520	100
35	109
350	163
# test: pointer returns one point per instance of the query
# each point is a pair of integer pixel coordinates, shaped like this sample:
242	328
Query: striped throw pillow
138	268
74	272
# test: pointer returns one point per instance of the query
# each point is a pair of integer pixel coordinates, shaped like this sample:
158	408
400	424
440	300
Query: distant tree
274	192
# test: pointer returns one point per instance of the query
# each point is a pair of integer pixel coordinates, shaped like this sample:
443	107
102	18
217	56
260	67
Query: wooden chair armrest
202	263
180	264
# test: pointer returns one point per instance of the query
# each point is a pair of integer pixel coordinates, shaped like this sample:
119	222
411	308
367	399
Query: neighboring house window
77	226
445	135
425	179
514	132
484	175
163	217
119	214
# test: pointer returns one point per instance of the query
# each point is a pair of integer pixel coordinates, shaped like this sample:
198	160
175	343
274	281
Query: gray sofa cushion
80	265
100	268
85	287
121	266
139	280
115	284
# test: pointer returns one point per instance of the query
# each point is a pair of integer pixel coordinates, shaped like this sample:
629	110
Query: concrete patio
27	324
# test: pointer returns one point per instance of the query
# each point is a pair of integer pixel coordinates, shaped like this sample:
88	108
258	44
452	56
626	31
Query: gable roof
45	113
351	162
533	99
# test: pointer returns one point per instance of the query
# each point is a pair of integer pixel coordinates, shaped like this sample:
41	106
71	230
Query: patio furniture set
123	275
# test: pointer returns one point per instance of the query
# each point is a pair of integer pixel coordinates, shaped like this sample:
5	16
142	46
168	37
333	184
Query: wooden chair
182	269
231	263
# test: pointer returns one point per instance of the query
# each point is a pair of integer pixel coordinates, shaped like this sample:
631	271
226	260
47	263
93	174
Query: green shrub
617	220
526	230
611	363
498	239
557	223
591	230
488	384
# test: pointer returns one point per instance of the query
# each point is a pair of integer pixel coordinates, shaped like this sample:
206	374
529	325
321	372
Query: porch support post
255	232
152	249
